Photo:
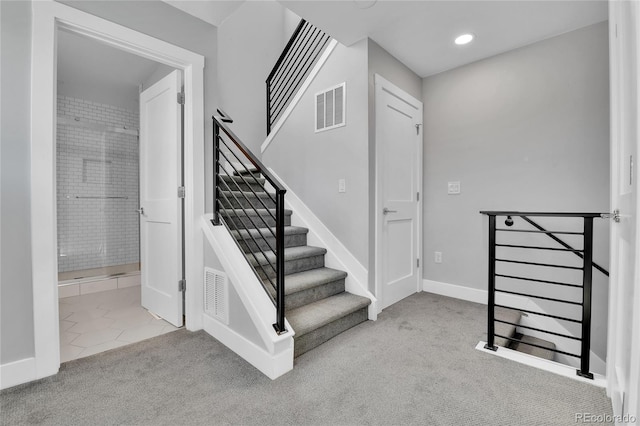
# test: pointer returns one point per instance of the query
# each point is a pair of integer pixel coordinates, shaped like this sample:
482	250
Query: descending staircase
316	303
509	330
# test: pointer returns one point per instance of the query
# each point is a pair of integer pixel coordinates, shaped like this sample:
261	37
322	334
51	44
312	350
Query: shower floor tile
97	322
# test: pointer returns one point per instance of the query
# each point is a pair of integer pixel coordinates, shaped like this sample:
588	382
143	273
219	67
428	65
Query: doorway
48	17
398	187
98	158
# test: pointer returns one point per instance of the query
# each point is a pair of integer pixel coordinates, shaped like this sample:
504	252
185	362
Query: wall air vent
330	108
216	295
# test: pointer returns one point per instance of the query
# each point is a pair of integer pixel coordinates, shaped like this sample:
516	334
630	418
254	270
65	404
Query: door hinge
181	98
182	285
418	263
181	192
417	196
418	129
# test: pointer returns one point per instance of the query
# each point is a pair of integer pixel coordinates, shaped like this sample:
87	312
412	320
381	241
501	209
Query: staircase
526	344
316	303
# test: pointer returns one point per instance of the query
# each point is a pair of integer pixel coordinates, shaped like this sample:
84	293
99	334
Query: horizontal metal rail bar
221	121
246	183
550	265
539	214
538	281
245	211
533	231
286	49
541	330
245	167
537	247
539	346
258	264
273	300
540	297
539	313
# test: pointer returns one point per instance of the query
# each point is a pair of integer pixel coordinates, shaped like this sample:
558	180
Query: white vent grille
216	295
330	107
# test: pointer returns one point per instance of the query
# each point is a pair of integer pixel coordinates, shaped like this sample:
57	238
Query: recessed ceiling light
464	39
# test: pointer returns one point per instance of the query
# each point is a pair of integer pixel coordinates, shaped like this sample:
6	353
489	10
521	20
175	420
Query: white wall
525	130
312	163
16	310
250	42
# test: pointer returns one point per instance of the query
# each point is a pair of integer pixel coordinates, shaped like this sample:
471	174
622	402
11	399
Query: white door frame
379	218
616	288
48	17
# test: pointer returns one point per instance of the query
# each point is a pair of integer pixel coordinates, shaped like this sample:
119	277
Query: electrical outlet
453	188
437	257
342	185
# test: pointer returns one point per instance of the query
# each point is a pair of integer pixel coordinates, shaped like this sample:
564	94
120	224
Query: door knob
140	210
386	211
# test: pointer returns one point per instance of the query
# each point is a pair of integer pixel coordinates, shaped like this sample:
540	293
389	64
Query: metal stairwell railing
292	67
230	198
506	279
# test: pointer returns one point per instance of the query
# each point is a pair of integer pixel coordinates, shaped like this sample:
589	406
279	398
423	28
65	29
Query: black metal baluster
586	299
216	172
279	325
492	286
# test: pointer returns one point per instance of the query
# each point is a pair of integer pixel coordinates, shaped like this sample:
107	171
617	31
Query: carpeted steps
316	303
509	330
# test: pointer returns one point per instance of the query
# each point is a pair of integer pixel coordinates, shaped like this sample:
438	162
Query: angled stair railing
292	67
241	208
507	279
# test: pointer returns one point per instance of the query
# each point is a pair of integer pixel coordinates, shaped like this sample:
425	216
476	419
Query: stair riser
250	202
240	185
317	337
293	266
243	221
262	244
305	297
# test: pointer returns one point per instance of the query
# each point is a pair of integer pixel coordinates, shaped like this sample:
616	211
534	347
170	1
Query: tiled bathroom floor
97	322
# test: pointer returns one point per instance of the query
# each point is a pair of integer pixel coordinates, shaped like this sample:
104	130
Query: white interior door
160	208
399	174
623	358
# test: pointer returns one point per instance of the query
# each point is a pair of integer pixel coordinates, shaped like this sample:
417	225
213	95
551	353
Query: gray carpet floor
415	365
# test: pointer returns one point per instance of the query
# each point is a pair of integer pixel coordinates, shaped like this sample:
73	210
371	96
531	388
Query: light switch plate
453	188
342	185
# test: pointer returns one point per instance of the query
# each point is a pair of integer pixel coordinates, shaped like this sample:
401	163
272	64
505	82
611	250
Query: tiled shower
97	185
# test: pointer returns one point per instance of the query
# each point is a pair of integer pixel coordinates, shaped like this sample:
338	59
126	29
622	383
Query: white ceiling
213	12
420	33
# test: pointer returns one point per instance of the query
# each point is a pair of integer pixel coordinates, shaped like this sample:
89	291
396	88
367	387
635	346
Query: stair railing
229	150
586	254
292	67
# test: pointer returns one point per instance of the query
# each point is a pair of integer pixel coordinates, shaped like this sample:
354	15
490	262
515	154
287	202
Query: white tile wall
96	232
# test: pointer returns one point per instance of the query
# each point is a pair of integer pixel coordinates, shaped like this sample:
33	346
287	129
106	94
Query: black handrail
586	254
224	204
292	67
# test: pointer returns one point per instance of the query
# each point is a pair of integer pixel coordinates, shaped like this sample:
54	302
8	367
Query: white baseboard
271	365
456	291
543	364
17	372
338	256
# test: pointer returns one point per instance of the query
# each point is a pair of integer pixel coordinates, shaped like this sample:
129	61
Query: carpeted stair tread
318	314
503	329
242	179
249	171
533	350
290	253
305	280
265	233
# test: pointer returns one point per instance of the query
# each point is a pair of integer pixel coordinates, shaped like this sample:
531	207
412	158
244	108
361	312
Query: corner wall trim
456	291
17	372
